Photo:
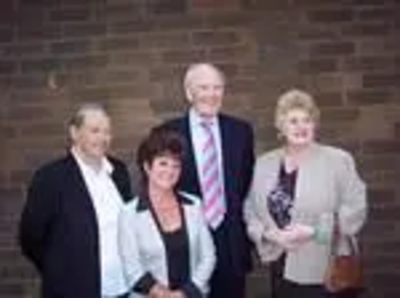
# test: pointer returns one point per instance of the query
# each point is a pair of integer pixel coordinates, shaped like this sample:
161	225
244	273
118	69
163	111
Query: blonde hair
292	100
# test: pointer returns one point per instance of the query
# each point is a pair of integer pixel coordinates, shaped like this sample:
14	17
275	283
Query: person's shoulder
116	162
189	198
334	153
51	172
270	155
53	166
233	120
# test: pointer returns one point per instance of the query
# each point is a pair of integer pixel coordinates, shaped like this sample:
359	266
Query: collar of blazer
144	202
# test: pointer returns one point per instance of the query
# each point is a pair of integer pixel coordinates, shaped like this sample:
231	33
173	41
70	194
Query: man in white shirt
68	226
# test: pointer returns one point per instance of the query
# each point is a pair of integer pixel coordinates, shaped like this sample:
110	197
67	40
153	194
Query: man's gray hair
78	117
194	68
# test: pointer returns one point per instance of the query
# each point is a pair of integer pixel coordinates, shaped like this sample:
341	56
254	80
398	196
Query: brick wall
131	54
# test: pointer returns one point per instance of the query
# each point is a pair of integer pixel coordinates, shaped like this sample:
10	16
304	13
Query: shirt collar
106	166
197	120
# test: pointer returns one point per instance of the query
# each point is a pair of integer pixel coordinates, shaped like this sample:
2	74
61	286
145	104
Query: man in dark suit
68	227
233	141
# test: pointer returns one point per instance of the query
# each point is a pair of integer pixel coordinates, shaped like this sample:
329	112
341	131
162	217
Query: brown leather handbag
344	272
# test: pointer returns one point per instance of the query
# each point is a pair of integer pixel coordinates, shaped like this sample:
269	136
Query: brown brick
231	20
119	11
330	16
84	30
76	14
182	57
333	48
397	130
40	33
381	147
229	53
314	33
165	40
117	43
376	14
340	114
160	73
380	80
6	34
214	38
129	27
321	65
31	49
365	30
70	47
167	6
267	5
134	59
368	97
8	12
213	4
85	62
368	63
38	65
7	67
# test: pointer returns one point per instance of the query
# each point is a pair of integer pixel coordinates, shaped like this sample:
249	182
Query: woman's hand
177	294
300	233
292	236
160	291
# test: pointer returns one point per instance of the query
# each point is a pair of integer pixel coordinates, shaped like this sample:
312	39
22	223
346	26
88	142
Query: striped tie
213	200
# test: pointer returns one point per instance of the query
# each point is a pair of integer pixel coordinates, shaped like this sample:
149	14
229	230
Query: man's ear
189	95
73	133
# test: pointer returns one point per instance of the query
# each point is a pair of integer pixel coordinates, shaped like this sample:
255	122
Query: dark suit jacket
238	159
59	232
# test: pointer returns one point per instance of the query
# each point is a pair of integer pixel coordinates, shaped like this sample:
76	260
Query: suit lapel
226	151
190	161
78	185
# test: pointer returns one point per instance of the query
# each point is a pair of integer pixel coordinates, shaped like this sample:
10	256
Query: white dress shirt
107	203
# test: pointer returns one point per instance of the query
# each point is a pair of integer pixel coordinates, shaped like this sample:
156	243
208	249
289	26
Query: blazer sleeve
206	259
37	216
255	226
137	278
352	207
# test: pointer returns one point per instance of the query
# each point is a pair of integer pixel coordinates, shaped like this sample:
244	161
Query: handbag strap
337	236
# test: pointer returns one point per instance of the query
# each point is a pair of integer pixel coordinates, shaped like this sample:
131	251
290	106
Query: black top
281	198
176	246
177	252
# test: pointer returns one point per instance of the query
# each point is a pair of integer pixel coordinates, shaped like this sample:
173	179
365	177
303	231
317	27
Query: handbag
344	272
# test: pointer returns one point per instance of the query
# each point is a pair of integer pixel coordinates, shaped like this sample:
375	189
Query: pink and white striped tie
213	197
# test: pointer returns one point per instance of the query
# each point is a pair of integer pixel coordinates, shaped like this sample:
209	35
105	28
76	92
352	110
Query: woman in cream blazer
297	193
165	245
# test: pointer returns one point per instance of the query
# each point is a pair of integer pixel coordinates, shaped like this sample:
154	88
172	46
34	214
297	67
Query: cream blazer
143	251
327	184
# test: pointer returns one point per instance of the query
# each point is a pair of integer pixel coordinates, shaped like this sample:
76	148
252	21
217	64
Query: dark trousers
227	285
282	288
226	280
